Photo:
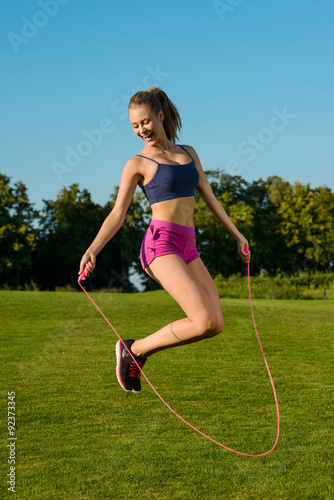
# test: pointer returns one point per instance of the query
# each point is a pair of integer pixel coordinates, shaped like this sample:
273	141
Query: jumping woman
169	175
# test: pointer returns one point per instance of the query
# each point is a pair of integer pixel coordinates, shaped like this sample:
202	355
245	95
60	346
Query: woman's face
146	124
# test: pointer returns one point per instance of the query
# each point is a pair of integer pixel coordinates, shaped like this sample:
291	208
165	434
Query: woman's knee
216	328
210	325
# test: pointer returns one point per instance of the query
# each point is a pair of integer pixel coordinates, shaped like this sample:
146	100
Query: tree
217	247
269	251
17	232
288	228
323	229
307	224
124	248
67	228
222	183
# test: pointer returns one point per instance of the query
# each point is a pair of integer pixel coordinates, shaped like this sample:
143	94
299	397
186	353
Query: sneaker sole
118	350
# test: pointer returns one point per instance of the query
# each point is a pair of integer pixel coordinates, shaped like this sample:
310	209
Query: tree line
289	227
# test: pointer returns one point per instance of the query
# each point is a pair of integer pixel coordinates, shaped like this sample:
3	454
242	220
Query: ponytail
156	100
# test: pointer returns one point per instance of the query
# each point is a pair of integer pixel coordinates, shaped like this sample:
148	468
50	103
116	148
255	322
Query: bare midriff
178	211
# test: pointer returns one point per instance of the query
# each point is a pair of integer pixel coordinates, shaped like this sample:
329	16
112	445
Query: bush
303	286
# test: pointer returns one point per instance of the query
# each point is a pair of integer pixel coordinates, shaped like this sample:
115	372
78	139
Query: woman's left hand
243	245
87	263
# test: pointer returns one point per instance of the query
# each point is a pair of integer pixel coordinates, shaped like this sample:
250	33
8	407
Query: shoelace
133	370
139	368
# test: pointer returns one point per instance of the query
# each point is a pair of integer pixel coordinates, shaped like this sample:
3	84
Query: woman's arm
205	191
129	180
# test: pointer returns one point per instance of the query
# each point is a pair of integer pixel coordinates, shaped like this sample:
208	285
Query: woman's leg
193	289
205	279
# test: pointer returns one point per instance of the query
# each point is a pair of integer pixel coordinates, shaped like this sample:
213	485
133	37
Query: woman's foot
128	370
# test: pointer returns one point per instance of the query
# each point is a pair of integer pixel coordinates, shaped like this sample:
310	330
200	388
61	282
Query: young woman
169	174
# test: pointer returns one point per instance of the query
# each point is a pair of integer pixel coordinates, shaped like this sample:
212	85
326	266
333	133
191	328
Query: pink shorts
164	238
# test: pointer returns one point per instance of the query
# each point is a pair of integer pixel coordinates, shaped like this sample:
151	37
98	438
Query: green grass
79	435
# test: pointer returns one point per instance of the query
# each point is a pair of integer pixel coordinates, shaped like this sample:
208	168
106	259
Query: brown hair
156	99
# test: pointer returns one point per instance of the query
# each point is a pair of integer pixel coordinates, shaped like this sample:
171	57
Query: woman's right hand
87	263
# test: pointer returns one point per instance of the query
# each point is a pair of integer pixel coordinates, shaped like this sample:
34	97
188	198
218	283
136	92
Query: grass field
79	435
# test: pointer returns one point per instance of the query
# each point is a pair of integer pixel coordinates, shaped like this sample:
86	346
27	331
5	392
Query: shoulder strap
148	159
186	151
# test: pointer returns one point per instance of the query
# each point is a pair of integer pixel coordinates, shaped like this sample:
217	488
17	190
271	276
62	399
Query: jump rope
82	275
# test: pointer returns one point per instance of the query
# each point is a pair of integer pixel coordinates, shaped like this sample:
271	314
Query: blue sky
252	79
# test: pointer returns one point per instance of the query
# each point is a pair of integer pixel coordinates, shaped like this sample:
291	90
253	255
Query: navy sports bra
171	181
